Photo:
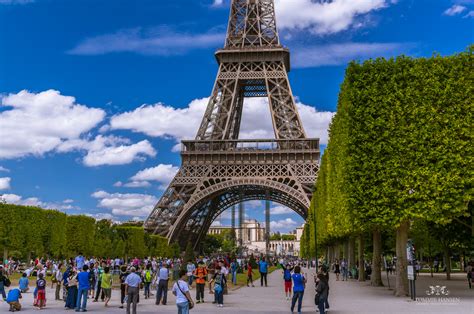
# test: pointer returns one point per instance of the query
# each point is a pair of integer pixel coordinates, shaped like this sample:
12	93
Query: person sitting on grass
13	299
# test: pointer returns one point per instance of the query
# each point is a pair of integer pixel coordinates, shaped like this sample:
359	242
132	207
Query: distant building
254	239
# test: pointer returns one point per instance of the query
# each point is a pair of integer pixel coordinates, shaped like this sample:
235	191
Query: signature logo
437	290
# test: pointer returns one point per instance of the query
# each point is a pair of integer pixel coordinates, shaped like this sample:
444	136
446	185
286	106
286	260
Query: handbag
316	299
190	303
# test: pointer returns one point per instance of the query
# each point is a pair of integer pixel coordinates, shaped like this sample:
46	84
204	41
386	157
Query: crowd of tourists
80	279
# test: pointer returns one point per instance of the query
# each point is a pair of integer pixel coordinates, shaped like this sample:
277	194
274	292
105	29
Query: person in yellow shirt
106	279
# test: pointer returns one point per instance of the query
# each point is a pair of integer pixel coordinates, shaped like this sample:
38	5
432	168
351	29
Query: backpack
7	282
147	276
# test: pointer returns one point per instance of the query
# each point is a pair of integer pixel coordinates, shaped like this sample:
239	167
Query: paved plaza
345	297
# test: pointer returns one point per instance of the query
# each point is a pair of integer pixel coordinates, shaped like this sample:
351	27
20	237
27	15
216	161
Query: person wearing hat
132	289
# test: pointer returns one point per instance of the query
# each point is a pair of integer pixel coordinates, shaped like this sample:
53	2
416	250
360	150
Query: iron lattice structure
219	170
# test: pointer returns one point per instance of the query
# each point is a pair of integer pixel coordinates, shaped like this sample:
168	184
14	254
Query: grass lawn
242	278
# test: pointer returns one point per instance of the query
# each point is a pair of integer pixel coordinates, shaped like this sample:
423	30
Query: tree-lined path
345	297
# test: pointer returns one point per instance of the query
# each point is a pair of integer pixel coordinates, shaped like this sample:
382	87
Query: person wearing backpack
219	282
147	278
299	282
287	280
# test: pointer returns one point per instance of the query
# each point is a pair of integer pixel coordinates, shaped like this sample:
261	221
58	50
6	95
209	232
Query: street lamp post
316	243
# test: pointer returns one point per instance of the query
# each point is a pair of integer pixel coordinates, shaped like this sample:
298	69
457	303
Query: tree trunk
401	279
376	278
337	251
361	258
447	254
346	250
351	254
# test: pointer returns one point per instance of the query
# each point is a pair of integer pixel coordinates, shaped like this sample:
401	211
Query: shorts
287	286
107	293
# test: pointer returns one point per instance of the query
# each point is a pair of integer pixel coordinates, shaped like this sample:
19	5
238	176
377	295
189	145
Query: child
106	279
13	299
219	283
24	283
41	291
249	274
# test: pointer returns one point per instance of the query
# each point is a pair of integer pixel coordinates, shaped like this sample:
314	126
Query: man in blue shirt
132	289
84	286
79	261
263	269
13	299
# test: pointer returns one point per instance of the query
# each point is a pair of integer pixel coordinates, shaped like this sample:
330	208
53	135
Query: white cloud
8	2
109	150
168	122
126	204
100	216
469	14
324	17
68	201
281	210
5	183
217	3
34	201
163	121
47	120
160	40
3	169
284	224
341	54
216	223
455	10
162	174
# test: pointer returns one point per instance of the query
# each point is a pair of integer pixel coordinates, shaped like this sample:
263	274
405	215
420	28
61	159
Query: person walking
219	283
470	274
83	290
263	269
181	291
322	292
163	278
132	289
147	278
4	282
337	269
299	282
249	274
107	285
123	275
344	270
98	290
201	274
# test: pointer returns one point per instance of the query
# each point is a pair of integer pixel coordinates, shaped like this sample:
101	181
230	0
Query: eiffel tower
218	169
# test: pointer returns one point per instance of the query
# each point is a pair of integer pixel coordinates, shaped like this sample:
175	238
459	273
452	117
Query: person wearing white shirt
181	291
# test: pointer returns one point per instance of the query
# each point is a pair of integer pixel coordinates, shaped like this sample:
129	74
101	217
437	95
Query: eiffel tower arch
220	170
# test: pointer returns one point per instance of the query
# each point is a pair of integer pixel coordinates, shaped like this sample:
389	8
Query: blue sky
95	95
